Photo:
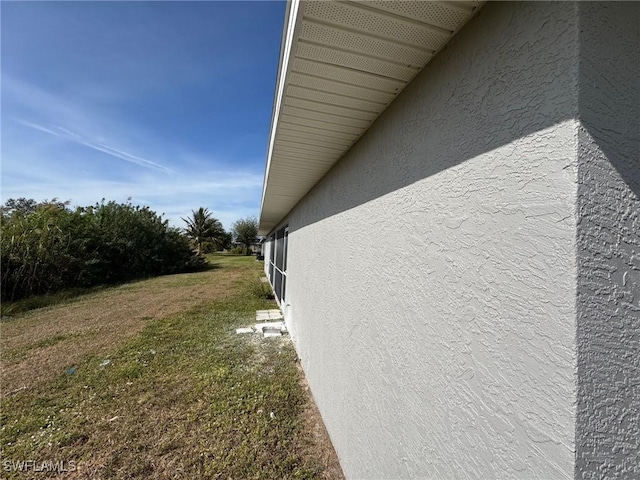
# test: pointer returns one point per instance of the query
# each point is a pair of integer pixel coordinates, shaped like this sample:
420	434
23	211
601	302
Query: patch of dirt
320	445
98	324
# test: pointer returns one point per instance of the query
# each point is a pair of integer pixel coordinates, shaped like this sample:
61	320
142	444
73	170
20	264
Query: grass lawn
149	380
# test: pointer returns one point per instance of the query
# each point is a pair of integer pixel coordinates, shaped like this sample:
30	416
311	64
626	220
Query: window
272	251
278	262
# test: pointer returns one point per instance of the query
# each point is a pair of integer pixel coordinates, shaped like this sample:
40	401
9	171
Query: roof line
294	17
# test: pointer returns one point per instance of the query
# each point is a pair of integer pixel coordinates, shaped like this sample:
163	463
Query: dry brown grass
41	344
184	397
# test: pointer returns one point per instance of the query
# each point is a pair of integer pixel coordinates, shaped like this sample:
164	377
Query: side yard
149	380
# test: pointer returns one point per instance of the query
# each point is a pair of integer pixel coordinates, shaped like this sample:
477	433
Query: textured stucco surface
464	286
608	334
431	286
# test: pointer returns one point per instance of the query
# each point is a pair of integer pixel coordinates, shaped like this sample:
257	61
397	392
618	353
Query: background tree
25	206
223	242
202	227
245	232
218	244
47	247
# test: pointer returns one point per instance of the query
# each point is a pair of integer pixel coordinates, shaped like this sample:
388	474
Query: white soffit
342	63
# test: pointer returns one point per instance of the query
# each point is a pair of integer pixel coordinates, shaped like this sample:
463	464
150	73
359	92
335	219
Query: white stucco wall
608	333
432	273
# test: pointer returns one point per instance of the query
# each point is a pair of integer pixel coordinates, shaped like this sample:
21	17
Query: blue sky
168	103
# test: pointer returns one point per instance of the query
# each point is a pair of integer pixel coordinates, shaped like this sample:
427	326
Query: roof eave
330	89
293	15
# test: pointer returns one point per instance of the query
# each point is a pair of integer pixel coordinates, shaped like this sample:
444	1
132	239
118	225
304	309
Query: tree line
48	246
208	234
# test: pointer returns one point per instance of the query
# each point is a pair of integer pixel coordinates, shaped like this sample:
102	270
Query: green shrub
51	247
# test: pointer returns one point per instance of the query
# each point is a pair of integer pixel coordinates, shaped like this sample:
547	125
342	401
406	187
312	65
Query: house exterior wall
463	287
431	287
608	241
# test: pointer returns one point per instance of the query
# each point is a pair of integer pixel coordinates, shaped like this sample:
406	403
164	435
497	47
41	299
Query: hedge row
51	247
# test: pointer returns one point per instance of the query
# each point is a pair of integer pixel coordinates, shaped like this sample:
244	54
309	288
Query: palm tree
202	227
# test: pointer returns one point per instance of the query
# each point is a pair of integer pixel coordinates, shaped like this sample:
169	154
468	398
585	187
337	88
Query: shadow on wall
608	307
500	79
609	94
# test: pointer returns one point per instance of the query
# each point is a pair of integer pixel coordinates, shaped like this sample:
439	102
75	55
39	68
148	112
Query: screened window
272	251
278	262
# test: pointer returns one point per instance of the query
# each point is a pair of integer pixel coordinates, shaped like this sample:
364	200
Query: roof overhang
341	65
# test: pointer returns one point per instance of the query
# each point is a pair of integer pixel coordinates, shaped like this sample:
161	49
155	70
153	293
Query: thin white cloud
229	194
37	127
177	180
101	147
